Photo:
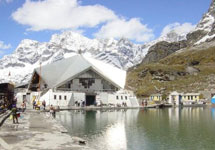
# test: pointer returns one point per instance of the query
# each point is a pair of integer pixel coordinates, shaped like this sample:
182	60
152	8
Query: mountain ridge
168	67
120	53
29	53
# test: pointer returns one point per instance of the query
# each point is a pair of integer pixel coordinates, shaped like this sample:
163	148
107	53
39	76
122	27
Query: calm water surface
152	129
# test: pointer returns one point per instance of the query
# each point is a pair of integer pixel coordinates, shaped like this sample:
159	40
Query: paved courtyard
37	131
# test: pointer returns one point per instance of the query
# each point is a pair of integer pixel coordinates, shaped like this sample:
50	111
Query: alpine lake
187	128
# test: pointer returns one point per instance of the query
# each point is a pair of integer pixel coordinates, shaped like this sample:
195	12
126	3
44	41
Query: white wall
20	96
53	98
108	98
102	97
62	99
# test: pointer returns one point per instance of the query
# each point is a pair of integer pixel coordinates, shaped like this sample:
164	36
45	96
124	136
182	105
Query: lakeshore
119	108
134	129
37	131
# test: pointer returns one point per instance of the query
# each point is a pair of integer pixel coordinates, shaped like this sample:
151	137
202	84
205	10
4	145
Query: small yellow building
191	97
185	98
155	97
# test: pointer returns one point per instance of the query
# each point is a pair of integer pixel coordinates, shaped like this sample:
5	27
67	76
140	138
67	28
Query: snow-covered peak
207	24
28	54
207	20
176	32
28	44
108	41
173	36
67	36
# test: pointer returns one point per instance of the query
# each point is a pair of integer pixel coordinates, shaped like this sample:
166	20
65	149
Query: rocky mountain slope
184	66
188	70
204	32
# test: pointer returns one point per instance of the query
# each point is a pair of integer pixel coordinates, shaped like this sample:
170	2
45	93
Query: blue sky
138	20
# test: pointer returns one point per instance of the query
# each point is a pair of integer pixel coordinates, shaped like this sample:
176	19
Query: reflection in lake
172	128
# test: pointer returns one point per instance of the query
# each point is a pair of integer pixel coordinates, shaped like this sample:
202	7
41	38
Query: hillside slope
188	70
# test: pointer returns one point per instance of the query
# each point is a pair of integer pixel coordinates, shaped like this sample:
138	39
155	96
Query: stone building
80	79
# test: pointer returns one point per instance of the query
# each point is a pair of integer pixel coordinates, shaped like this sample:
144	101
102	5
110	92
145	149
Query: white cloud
181	29
4	46
132	29
61	14
70	14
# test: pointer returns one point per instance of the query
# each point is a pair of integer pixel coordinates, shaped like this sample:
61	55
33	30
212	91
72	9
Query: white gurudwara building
80	80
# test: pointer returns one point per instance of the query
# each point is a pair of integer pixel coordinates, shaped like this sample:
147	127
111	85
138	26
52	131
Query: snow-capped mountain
121	53
18	66
207	25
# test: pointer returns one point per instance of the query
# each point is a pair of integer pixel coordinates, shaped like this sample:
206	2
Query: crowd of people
15	111
37	106
80	104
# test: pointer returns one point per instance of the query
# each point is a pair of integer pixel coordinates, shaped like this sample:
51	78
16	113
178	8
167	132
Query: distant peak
26	41
66	35
208	19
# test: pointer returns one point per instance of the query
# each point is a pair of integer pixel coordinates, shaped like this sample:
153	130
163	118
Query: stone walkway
37	131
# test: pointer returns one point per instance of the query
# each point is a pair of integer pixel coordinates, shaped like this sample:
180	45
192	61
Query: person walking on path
52	111
44	104
14	114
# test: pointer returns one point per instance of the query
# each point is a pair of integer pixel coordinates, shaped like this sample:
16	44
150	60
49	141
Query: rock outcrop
161	50
204	32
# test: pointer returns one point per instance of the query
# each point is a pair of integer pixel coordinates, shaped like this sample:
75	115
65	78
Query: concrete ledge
96	108
92	108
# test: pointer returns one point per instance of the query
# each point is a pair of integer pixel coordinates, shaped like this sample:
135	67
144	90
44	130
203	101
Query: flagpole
39	83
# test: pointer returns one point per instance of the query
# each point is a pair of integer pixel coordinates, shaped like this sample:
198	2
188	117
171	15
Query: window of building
117	97
55	97
65	97
191	97
126	97
59	97
188	97
121	97
86	82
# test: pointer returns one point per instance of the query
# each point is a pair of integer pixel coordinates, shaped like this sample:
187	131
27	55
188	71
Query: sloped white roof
59	72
